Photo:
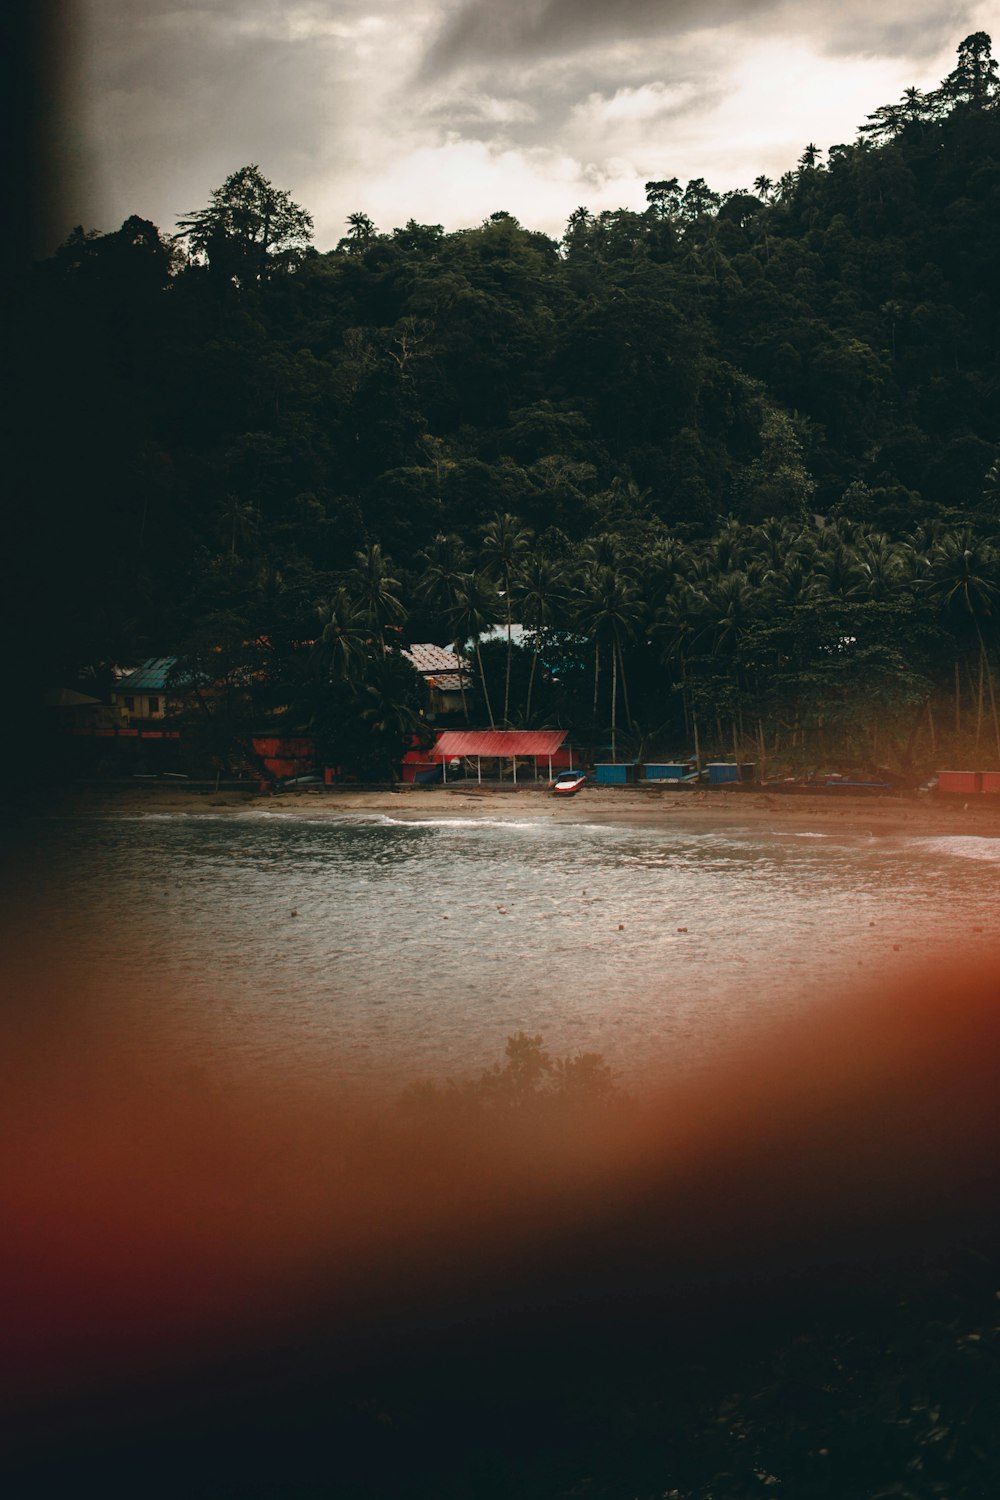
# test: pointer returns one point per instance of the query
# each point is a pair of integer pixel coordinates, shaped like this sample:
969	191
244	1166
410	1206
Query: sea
335	950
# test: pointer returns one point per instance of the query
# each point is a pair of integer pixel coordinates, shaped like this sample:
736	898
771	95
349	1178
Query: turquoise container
615	773
721	773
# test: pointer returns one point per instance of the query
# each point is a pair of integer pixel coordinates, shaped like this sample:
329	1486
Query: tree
475	608
539	599
664	197
964	578
974	79
238	522
391	701
608	607
444	561
374	587
991	489
360	234
579	227
916	105
249	229
504	541
777	482
366	722
884	123
699	199
345	633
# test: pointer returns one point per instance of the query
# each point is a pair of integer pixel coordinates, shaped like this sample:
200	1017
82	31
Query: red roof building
502	745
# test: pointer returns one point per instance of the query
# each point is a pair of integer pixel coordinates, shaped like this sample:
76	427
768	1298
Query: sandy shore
917	813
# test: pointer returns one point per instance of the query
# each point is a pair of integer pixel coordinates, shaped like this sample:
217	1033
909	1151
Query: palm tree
373	586
475	608
915	103
991	487
444	561
885	566
362	229
341	644
838	570
608	607
239	520
540	597
603	551
665	569
504	542
388	701
729	546
578	228
773	541
728	606
963	575
673	631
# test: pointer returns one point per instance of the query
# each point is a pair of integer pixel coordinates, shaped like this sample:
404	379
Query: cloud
444	110
481	33
473	111
478	32
178	94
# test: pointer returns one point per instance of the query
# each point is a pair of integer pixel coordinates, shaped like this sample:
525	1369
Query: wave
963	846
463	823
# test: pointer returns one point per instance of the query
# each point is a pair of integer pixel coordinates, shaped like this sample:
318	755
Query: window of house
129	705
154	706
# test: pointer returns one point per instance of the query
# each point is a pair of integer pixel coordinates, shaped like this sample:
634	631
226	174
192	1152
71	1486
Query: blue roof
151	677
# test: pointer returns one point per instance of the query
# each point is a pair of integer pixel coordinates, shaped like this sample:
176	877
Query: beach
914	813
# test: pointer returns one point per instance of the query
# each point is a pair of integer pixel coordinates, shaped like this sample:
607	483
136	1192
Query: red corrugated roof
499	742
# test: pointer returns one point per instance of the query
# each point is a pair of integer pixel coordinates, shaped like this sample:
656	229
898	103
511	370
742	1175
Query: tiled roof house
444	674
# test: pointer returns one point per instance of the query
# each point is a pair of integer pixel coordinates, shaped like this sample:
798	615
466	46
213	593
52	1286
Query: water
424	944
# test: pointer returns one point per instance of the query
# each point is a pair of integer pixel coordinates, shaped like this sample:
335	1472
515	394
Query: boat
568	783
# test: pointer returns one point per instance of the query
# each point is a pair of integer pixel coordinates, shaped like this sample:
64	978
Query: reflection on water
336	944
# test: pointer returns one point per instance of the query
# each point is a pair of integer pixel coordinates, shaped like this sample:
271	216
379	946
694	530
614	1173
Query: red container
301	748
991	782
282	766
960	781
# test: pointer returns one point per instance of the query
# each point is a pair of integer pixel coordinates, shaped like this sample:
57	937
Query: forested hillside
732	458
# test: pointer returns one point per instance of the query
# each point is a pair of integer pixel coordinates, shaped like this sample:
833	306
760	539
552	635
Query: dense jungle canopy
732	459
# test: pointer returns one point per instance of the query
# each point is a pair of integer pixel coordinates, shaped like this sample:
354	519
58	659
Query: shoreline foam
911	814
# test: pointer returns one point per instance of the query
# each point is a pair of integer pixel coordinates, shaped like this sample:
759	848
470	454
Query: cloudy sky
446	110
